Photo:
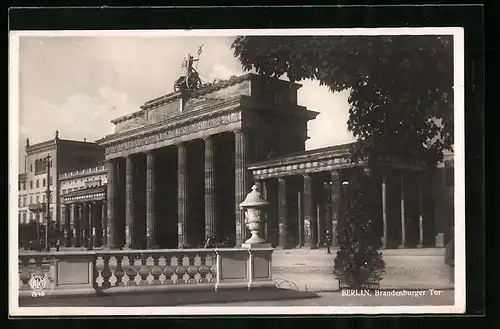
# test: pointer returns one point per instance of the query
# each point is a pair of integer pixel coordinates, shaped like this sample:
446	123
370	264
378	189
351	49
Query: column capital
240	130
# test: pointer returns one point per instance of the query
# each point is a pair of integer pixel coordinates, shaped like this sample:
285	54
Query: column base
402	246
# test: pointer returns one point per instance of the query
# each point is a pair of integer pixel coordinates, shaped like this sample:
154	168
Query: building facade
83	207
59	156
177	169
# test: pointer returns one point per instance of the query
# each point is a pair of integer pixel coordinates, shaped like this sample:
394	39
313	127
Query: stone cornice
181	120
49	145
306	156
306	167
165	135
128	116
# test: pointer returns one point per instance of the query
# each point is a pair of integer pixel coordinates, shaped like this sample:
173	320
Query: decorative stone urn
254	205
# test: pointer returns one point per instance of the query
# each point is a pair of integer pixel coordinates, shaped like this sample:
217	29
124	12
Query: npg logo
37	285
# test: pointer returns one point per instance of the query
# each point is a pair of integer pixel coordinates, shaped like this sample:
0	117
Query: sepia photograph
190	172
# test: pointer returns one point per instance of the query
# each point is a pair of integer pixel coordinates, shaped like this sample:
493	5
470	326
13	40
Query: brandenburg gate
177	168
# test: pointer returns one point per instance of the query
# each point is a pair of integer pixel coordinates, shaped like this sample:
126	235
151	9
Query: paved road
336	299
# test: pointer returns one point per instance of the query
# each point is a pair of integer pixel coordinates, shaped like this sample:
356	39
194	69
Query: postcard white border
459	158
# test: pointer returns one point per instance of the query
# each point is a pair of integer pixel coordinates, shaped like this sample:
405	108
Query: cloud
114	98
330	126
221	71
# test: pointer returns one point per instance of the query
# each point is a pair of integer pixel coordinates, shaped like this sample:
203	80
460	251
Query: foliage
358	263
401	87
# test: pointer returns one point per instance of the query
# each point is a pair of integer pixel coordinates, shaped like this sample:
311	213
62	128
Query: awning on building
95	193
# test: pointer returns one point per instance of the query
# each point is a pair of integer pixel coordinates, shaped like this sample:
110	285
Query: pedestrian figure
210	242
58	244
328	241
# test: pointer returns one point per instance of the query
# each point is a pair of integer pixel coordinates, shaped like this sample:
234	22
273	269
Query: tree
401	87
358	263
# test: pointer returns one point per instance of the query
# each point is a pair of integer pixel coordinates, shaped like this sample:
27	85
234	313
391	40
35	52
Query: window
19	186
19	202
24	186
19	217
31	167
43	182
43	198
31	184
37	183
50	182
24	217
31	199
37	199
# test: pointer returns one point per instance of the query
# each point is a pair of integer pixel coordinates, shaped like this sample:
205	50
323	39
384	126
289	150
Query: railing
83	172
101	272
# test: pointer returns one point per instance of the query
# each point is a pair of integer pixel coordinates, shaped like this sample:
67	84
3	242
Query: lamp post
48	163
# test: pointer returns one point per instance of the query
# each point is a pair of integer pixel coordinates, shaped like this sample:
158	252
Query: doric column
335	206
300	219
403	223
104	224
150	201
209	188
282	213
265	193
75	211
86	225
420	213
91	220
319	225
182	195
96	212
241	183
384	210
308	212
111	200
67	225
129	202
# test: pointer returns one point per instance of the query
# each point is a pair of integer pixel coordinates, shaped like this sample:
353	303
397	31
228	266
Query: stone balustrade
105	272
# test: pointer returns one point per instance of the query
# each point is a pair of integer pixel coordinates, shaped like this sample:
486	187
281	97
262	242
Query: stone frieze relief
169	133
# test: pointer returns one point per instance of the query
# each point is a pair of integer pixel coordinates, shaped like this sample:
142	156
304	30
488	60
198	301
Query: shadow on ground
168	298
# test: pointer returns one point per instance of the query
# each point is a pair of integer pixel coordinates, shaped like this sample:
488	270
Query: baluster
145	270
180	270
106	272
204	270
157	270
98	268
130	272
169	270
213	267
192	270
119	272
